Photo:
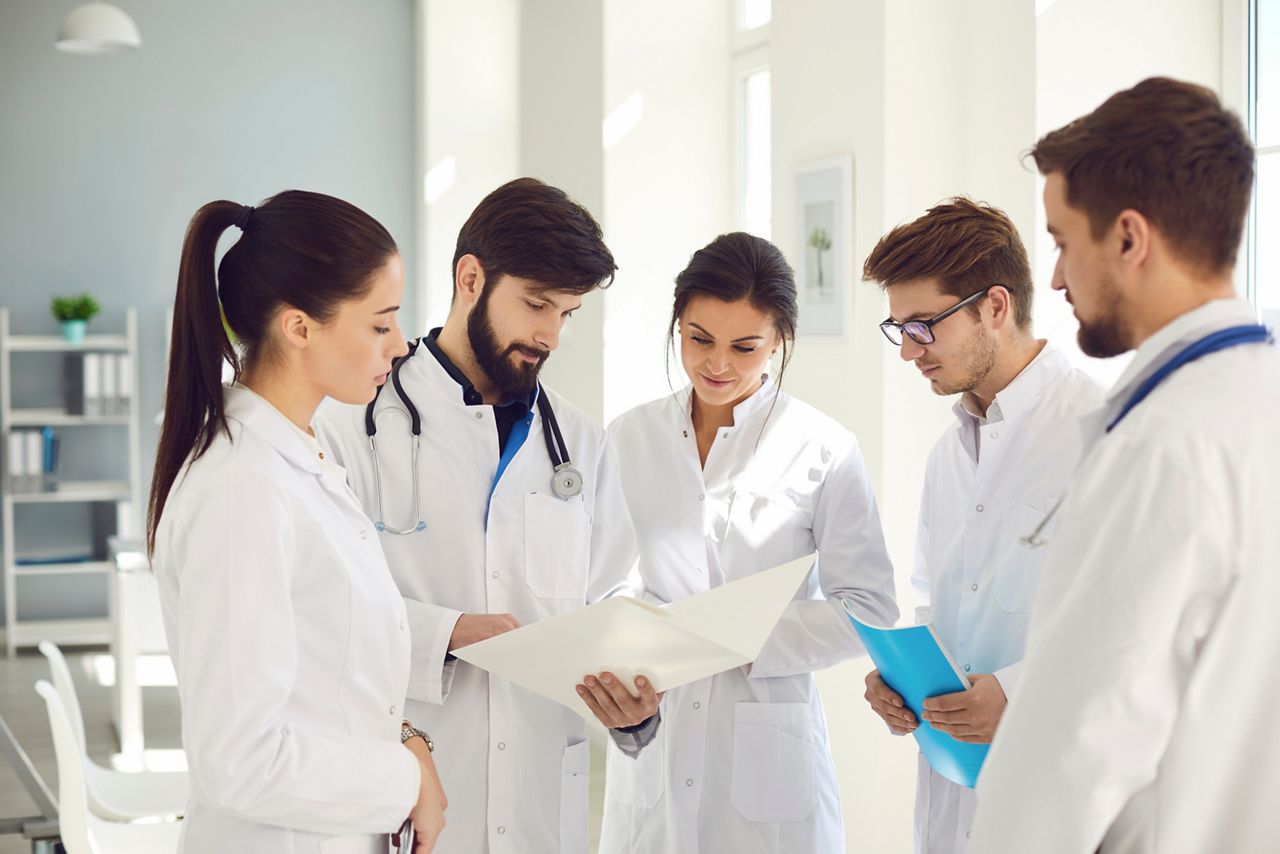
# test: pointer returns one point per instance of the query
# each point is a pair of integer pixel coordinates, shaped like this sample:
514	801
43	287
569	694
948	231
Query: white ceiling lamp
97	28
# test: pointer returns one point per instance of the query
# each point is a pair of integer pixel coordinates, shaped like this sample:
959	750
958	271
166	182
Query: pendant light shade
97	28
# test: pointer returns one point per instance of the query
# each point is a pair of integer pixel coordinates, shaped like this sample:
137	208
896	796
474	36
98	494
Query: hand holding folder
915	664
671	645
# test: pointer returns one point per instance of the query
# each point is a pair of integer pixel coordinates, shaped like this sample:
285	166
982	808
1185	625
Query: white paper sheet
671	645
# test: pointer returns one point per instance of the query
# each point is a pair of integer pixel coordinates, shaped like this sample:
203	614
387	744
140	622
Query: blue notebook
914	663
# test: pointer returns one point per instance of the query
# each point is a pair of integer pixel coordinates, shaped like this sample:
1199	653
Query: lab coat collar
759	401
1022	392
258	416
1181	331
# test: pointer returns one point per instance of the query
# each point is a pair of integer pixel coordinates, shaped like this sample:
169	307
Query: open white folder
671	645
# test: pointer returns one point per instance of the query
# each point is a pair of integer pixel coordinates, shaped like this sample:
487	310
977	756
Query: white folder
671	645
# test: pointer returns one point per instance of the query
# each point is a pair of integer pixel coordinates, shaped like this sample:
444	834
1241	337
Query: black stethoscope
1223	339
566	480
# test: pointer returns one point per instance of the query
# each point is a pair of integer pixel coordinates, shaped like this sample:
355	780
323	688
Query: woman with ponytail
287	631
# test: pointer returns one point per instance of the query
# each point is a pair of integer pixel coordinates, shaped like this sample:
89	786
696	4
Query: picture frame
824	240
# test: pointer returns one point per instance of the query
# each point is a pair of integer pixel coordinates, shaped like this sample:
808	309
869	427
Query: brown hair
1168	150
739	266
299	249
967	246
535	231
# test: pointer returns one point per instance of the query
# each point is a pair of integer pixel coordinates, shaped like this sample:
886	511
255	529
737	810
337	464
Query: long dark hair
738	266
304	250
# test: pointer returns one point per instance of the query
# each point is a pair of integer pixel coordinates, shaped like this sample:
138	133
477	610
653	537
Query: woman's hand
427	814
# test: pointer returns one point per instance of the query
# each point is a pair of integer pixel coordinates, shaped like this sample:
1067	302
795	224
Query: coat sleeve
1135	578
853	566
613	538
234	557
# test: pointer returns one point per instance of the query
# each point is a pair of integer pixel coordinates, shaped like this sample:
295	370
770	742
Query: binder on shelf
110	375
34	458
51	445
124	385
16	460
73	384
92	384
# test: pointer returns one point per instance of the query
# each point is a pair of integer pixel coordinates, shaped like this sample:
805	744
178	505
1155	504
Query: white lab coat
1144	721
514	765
740	762
291	648
987	483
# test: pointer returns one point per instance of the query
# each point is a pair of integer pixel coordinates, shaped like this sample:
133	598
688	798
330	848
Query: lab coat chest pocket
1019	575
774	762
574	769
556	543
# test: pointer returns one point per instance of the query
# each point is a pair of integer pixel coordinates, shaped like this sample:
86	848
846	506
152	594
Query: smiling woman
724	479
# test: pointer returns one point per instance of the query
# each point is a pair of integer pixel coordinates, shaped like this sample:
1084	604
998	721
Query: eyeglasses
921	331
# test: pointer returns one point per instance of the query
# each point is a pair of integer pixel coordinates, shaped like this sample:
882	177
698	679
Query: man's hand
613	704
970	716
888	704
473	628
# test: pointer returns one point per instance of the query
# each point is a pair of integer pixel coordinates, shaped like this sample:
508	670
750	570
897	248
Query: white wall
468	126
668	175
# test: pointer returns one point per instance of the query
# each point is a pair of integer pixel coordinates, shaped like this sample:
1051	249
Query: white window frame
749	53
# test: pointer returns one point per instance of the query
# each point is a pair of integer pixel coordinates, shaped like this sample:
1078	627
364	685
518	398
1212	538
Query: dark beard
516	381
1103	339
1108	335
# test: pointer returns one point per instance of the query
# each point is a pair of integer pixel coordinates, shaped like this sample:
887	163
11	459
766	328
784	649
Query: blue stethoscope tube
1224	339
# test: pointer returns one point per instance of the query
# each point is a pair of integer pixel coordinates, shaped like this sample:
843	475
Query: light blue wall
103	160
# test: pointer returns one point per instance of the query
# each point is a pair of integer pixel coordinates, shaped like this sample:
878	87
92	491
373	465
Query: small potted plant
73	313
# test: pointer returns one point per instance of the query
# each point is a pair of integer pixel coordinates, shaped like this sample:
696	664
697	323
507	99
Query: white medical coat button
689	782
966	668
502	745
402	625
995	434
392	710
479	415
697	705
974	588
501	829
364	535
979	508
495	573
702	497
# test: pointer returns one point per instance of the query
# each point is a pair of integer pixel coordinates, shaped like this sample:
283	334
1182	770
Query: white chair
115	794
83	832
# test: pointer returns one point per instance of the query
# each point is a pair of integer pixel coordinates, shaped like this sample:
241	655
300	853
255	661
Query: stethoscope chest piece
567	481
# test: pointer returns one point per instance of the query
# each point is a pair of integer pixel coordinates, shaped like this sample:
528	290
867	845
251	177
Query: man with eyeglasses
960	293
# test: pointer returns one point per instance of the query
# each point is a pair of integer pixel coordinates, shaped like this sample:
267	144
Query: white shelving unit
127	491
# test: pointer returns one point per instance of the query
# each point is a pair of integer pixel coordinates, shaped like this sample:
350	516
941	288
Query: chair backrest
67	691
73	800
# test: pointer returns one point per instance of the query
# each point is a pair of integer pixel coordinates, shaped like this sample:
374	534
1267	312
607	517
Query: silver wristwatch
408	731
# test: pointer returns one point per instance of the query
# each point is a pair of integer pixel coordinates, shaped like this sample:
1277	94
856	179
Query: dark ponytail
298	249
738	266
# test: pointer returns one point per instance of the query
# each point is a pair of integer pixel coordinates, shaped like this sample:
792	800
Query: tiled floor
24	711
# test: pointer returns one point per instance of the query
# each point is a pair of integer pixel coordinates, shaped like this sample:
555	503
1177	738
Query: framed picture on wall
824	261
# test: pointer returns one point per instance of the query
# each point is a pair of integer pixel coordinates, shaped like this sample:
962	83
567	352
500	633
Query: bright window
1264	285
753	184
